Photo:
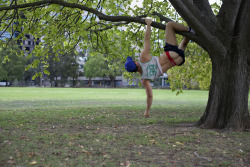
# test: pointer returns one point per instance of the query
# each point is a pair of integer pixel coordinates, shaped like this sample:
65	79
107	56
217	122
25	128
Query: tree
112	70
3	72
113	64
94	67
225	36
12	66
54	68
71	67
63	66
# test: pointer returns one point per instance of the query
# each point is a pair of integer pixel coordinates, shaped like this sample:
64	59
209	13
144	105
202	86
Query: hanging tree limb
102	16
200	23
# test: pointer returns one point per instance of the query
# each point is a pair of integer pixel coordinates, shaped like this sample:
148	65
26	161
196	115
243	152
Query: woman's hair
136	69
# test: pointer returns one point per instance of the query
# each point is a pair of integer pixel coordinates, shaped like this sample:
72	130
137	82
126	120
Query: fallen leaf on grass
8	142
153	141
86	152
11	162
179	143
31	154
33	163
127	164
105	155
19	154
22	137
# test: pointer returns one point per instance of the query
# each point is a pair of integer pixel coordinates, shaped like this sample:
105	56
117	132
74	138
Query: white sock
191	30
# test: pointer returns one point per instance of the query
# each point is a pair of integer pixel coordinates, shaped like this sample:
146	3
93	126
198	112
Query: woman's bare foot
146	114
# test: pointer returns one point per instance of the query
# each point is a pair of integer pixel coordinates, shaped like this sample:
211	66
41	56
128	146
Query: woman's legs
184	44
171	27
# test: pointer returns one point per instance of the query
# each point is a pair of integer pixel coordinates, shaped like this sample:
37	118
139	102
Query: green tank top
151	69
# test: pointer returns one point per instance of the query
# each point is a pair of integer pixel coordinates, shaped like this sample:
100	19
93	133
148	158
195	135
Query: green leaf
46	72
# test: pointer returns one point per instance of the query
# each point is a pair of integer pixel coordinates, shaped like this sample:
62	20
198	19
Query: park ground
105	127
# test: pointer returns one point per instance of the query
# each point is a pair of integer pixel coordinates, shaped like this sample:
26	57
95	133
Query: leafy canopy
88	23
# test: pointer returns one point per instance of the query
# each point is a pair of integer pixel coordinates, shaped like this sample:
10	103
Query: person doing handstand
152	67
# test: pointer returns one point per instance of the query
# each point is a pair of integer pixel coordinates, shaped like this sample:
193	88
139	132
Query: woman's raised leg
170	29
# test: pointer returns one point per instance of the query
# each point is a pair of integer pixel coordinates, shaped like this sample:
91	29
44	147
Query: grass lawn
105	127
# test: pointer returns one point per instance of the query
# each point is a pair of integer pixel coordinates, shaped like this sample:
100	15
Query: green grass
105	127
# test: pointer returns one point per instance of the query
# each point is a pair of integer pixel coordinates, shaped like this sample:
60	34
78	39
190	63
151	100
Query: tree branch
194	38
102	16
107	27
162	18
204	7
202	25
242	26
231	15
191	15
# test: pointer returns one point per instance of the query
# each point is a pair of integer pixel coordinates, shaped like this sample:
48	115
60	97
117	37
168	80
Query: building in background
29	44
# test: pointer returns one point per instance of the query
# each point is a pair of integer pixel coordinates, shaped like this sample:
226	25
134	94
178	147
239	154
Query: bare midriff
166	64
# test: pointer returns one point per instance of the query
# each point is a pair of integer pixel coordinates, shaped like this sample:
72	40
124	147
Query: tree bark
228	96
90	82
112	81
227	105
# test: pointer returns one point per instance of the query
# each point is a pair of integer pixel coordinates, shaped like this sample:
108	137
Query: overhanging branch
107	27
101	15
162	18
204	7
231	14
199	22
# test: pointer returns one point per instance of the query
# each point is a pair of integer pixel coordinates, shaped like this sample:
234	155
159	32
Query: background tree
29	73
64	66
225	36
113	69
113	50
12	65
3	72
71	67
94	67
54	69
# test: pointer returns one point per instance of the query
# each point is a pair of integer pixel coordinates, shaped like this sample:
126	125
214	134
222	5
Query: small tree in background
12	65
94	67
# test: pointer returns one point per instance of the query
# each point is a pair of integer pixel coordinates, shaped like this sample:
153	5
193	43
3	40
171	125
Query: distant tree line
57	68
23	69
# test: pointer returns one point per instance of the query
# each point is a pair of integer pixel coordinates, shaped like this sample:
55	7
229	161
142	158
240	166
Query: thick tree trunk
112	81
228	97
90	82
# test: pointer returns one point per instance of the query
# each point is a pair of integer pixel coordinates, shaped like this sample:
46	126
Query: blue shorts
169	47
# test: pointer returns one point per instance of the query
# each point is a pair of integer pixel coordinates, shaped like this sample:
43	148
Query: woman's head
130	65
